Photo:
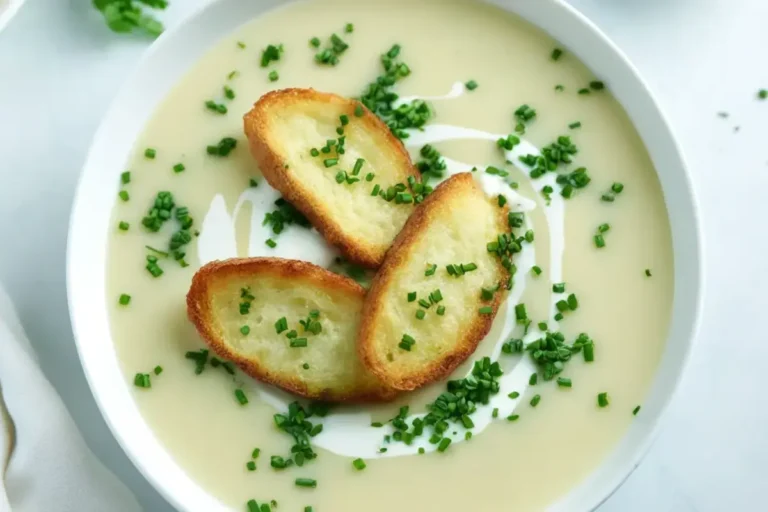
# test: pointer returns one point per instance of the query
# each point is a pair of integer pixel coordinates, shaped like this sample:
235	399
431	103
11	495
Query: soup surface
622	277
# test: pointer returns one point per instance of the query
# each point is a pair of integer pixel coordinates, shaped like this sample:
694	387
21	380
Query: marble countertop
61	67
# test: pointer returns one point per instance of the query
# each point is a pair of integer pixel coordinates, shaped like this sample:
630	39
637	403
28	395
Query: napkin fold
44	462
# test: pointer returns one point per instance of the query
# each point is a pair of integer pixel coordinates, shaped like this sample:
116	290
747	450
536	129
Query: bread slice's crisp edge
199	313
373	303
272	167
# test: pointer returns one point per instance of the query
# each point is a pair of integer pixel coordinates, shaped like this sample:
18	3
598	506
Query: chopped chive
369	176
441	310
216	107
599	241
583	91
406	342
271	243
305	366
603	228
255	453
314	152
141	380
124	195
529	236
254	183
485	310
232	74
471	85
420	314
513	417
564	382
602	399
648	272
425	303
359	112
241	45
240	395
150	153
597	85
229	93
762	94
125	177
158	370
589	352
556	53
306	482
635	410
315	42
376	189
359	464
431	268
558	287
436	296
617	187
349	28
513	395
467	421
411	296
250	465
358	166
533	379
558	317
178	168
245	330
495	413
377	424
575	125
273	76
330	162
281	325
501	200
573	302
535	400
559	88
536	270
444	444
124	299
298	342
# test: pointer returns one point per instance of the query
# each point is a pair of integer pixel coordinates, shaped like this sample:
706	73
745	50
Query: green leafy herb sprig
125	16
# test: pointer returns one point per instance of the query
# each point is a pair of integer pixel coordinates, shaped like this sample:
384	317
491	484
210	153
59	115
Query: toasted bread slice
451	227
274	289
285	126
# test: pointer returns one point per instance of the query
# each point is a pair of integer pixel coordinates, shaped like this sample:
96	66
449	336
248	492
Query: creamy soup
621	277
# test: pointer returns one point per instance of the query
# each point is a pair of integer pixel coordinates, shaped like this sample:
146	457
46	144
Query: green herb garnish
124	16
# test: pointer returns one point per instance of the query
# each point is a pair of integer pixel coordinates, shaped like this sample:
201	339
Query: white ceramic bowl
166	62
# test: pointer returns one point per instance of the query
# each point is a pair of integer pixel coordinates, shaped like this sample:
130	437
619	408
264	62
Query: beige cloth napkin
44	462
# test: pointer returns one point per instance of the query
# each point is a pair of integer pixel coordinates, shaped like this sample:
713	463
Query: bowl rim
578	35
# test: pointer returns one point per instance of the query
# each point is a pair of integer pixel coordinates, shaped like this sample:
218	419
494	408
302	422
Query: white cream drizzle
350	433
457	90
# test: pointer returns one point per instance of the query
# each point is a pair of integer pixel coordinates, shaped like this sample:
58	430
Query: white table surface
60	68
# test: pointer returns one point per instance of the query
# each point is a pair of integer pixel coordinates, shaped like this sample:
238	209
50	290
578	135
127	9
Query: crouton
438	267
294	137
287	323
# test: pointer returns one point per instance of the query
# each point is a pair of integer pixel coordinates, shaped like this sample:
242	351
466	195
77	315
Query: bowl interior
168	60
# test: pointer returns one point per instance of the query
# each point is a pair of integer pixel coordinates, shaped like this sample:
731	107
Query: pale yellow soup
523	465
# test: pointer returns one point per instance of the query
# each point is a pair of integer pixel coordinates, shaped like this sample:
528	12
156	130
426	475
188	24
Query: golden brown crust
200	314
256	125
396	257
